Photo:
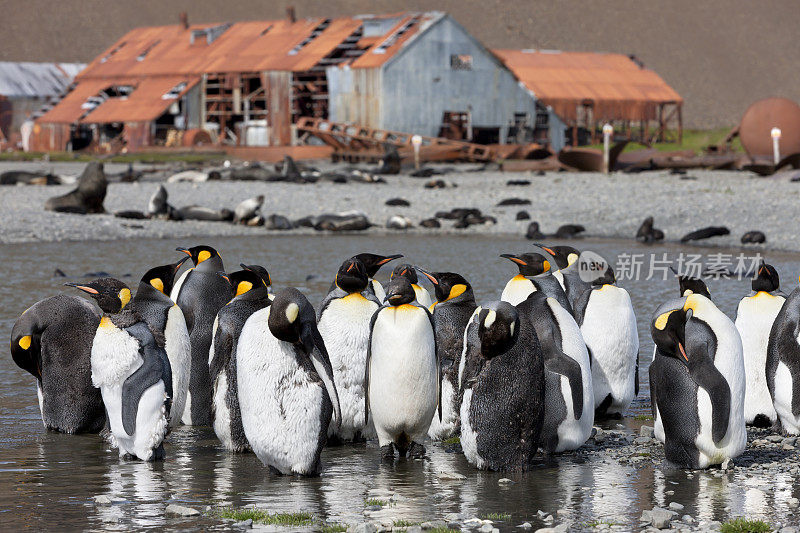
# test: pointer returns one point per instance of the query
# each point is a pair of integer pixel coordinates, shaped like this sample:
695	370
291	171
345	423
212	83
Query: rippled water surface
49	480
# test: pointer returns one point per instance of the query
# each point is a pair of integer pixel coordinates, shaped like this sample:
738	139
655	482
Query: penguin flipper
708	377
439	372
366	367
579	309
148	374
222	347
569	368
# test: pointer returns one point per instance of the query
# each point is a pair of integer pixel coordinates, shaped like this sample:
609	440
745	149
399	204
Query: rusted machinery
761	117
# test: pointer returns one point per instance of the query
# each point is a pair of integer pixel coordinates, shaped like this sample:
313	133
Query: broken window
112	52
211	34
146	51
461	62
393	38
313	35
174	92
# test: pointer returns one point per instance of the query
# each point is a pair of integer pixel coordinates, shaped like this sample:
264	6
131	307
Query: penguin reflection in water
697	383
403	381
132	372
286	388
503	386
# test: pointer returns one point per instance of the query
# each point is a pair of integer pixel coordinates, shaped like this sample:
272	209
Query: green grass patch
595	523
265	517
643	454
451	441
696	140
369	502
142	157
643	417
442	530
497	516
404	523
743	525
333	528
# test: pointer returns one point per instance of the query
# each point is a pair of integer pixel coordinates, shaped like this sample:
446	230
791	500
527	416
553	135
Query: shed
248	83
25	87
586	89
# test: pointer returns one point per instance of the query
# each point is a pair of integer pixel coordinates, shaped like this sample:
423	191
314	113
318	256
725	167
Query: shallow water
49	480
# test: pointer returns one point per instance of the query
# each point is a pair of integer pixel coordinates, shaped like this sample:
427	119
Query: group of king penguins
514	377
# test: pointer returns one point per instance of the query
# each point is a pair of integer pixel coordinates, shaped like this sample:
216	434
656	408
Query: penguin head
352	276
668	329
405	271
766	279
288	314
449	286
374	262
606	278
529	264
399	291
200	254
498	328
243	281
565	256
689	285
162	277
26	351
260	271
111	294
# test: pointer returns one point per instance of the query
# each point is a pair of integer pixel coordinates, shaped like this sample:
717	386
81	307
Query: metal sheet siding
419	85
355	95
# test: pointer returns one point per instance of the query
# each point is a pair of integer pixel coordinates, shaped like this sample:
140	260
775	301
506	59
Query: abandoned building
25	88
588	89
248	83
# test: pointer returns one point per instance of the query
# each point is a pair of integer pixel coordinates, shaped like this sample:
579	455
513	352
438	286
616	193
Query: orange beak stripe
518	261
86	289
433	280
683	353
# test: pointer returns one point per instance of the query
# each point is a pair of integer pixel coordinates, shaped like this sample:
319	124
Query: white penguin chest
517	290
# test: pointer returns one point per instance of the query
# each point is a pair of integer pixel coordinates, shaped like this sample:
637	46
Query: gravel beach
608	206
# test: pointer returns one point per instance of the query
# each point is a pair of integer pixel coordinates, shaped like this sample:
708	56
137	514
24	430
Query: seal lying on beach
197	212
247	210
87	197
160	208
24	177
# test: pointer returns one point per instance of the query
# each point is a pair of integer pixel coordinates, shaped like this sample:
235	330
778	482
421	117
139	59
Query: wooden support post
680	123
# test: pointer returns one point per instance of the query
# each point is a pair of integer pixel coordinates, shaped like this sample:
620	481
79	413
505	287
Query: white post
776	149
608	129
416	142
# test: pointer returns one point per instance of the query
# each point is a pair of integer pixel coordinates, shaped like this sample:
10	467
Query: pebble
525	525
486	528
504	480
181	510
450	476
102	499
435	524
675	506
688	519
244	523
647	431
366	527
793	502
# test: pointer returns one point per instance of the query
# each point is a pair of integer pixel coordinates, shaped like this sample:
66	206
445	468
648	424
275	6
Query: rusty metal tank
761	117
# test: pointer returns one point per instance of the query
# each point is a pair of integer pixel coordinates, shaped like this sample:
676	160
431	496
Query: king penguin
535	274
403	381
52	340
783	365
373	263
608	325
566	258
132	372
569	397
200	293
410	272
251	289
503	385
754	318
454	306
286	388
344	319
168	326
697	383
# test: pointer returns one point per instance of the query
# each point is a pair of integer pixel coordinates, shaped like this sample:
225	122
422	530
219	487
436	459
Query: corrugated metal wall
354	95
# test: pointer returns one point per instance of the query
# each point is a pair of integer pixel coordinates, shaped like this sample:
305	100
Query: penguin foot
387	452
416	451
158	453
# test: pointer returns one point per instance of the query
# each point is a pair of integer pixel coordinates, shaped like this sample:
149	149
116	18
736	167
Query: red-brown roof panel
147	101
69	108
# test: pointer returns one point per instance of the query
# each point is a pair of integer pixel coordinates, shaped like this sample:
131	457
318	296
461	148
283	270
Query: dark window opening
461	62
485	135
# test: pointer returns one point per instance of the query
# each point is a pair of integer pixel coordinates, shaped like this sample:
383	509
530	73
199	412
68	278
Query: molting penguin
344	319
250	287
502	383
52	340
569	398
697	383
451	314
200	293
403	381
409	271
166	322
373	263
608	325
132	372
755	316
285	382
783	365
535	274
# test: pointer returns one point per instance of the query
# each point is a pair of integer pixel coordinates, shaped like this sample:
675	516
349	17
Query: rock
675	506
413	529
181	510
450	476
774	438
788	529
523	215
793	502
647	431
398	202
486	528
687	519
560	528
641	440
102	500
366	527
504	480
647	516
87	198
452	517
436	524
244	523
525	525
661	518
513	201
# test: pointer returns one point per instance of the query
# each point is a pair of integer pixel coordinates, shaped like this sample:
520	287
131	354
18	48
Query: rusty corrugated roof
147	101
617	87
69	108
